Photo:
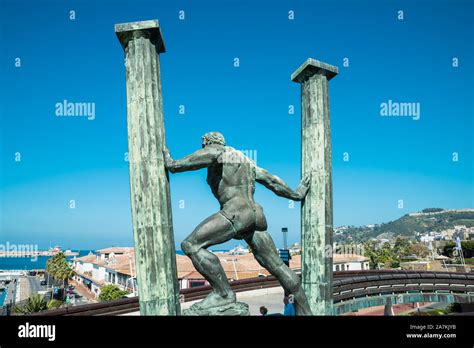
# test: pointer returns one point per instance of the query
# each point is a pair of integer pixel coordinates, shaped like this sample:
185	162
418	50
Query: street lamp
284	230
285	253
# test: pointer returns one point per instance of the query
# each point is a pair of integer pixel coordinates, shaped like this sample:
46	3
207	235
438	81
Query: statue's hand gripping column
150	196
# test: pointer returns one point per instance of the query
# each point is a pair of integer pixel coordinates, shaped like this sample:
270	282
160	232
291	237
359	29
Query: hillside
430	219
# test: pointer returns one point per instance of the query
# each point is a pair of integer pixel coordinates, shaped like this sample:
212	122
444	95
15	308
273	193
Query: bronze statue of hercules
232	176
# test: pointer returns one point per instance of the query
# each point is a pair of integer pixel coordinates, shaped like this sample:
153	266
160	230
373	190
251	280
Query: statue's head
213	138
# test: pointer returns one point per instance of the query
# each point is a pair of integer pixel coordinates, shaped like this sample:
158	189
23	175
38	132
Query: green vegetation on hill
432	210
432	219
391	255
467	248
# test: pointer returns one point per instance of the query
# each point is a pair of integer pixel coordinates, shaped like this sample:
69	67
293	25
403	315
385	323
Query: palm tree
37	303
33	304
64	272
58	267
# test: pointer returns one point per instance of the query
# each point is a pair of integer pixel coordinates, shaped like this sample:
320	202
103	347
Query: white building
117	266
350	262
109	266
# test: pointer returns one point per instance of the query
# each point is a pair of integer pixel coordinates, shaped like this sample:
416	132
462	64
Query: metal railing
346	285
380	283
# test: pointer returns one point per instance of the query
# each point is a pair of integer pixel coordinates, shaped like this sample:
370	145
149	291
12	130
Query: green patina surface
149	186
316	210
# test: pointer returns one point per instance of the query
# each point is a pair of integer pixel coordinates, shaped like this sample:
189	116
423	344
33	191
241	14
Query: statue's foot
216	300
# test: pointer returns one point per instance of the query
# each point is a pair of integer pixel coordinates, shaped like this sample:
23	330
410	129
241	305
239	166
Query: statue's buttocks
232	181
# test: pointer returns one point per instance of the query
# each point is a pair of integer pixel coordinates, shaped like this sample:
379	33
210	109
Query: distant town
93	277
431	224
434	239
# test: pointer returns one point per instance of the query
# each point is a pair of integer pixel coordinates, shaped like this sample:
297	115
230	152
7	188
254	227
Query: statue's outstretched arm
279	187
200	159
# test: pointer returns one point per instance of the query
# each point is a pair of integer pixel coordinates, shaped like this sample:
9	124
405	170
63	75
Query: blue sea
26	263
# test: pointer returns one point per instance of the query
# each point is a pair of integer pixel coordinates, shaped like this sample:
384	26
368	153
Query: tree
33	304
419	249
111	292
467	248
370	252
391	255
384	255
432	210
36	303
448	249
59	268
387	255
401	246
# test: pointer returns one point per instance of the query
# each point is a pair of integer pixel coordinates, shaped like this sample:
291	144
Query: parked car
43	282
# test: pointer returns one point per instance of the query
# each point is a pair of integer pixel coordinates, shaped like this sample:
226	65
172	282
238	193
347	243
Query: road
271	298
34	285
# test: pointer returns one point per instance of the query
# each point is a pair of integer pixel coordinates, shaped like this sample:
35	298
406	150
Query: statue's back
231	176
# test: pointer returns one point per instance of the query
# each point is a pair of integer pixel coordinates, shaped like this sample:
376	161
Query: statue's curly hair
213	138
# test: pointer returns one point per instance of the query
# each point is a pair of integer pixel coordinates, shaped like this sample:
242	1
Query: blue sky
81	60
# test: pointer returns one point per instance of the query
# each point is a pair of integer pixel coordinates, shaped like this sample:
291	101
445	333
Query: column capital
312	66
151	29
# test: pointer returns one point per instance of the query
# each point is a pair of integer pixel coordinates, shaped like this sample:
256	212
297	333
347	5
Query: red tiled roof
235	266
342	258
116	250
120	262
88	258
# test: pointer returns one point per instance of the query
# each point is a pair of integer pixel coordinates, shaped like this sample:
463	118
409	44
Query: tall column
150	195
316	210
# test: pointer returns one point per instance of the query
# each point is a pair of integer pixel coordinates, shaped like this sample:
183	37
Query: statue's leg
216	229
265	252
